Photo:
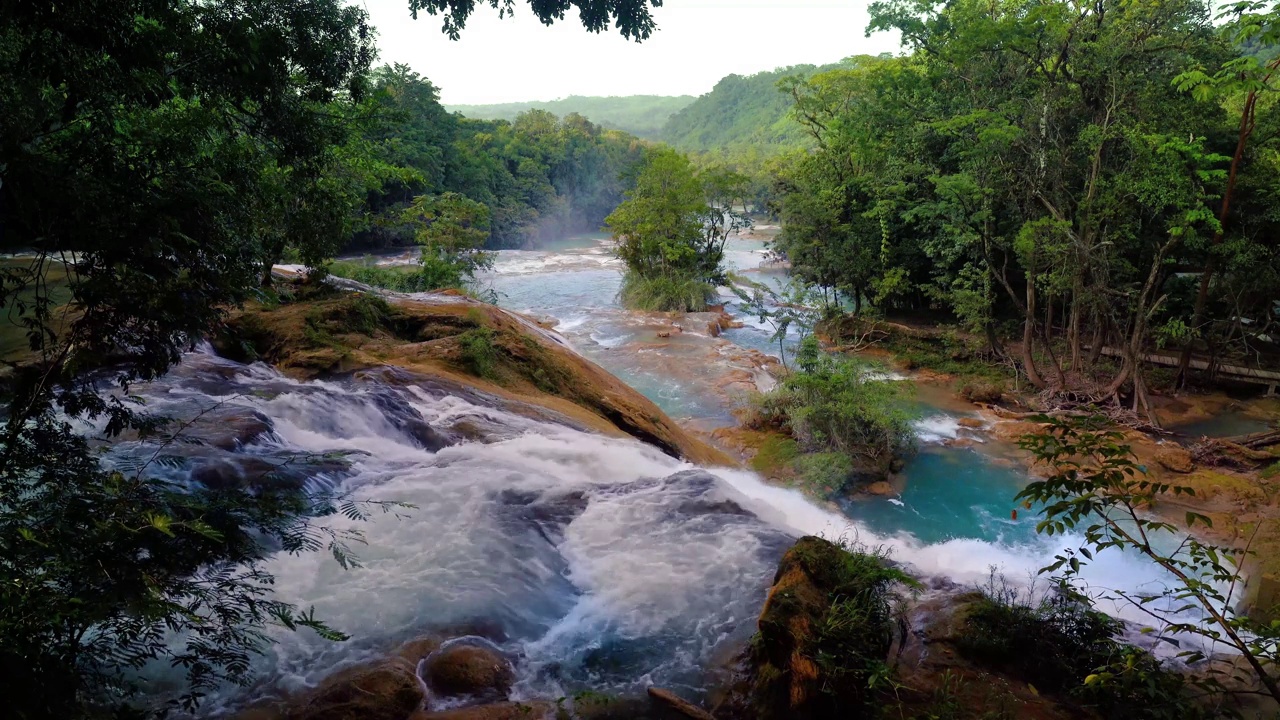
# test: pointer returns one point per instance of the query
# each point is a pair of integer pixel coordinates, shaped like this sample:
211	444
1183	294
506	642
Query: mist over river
596	563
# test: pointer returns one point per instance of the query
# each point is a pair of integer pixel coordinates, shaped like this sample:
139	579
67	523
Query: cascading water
597	563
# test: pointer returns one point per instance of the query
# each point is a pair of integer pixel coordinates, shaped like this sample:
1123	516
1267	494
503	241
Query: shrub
829	405
824	474
852	641
479	353
668	293
1061	645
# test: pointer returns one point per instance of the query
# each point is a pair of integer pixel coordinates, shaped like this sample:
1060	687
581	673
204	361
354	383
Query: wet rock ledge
321	331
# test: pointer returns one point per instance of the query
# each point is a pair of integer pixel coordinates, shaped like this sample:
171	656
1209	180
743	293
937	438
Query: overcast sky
697	43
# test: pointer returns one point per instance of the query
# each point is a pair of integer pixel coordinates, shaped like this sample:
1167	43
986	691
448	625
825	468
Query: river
596	563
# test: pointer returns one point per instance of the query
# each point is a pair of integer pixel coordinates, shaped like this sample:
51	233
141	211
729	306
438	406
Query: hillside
742	110
641	115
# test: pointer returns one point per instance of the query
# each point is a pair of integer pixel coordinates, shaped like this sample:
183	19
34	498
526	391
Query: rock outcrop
388	689
325	332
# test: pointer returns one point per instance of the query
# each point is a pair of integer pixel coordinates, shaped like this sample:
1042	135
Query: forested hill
741	110
640	115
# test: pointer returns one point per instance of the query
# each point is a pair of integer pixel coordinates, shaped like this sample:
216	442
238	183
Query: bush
479	353
829	405
1062	646
852	642
668	293
824	474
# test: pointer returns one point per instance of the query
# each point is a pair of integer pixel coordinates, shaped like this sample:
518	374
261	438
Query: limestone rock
383	690
1013	430
970	422
468	668
680	706
1175	458
880	488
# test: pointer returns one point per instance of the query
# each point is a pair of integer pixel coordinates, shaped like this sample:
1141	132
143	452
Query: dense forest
539	176
641	115
1103	178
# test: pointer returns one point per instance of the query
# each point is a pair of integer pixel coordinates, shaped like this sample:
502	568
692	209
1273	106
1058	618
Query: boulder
383	690
227	427
1175	458
970	422
1013	430
470	667
880	488
787	680
679	706
418	648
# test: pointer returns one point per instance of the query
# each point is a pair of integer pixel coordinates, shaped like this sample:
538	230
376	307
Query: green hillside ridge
743	110
640	115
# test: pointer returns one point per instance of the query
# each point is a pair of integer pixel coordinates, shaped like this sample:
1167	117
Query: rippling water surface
599	563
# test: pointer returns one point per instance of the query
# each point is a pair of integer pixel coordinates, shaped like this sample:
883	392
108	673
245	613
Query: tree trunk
1073	326
1029	335
1248	119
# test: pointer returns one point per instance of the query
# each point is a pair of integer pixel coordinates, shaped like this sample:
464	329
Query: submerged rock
383	690
227	427
680	706
1175	458
469	668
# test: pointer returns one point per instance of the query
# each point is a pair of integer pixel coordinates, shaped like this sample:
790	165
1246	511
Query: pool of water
950	494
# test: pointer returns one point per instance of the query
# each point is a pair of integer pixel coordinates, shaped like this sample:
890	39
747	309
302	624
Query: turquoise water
1227	424
951	494
953	515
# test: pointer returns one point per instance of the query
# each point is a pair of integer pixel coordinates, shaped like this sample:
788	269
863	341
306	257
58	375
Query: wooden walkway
1241	373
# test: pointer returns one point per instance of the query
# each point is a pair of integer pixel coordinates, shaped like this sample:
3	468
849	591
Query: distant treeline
540	176
641	115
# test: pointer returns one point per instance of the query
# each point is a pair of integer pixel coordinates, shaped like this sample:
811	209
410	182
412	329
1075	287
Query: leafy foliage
671	232
1061	645
1045	164
1097	490
539	176
631	17
835	412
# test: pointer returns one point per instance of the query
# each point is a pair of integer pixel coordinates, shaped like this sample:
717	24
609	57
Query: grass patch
400	278
774	454
668	293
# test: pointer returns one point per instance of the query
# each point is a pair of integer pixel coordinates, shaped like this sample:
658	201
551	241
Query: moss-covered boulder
825	629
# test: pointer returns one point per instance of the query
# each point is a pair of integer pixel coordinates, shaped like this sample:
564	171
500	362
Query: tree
451	229
159	155
670	235
1250	76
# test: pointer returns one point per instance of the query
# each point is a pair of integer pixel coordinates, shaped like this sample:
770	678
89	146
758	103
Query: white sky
697	43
